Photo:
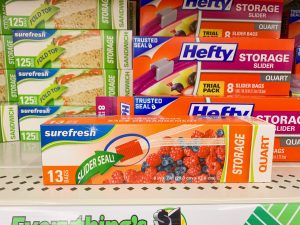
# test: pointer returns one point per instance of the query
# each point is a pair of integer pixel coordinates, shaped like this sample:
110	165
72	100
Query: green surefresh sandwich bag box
63	14
73	49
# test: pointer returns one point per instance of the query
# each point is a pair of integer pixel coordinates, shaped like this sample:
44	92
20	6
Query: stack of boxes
66	54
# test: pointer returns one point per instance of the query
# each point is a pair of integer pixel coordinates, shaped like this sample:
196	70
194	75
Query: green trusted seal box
67	14
73	49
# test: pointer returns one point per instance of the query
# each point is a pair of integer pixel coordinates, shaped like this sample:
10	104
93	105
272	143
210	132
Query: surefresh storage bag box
210	18
31	117
284	112
71	86
8	86
73	49
7	59
9	123
154	149
212	66
63	14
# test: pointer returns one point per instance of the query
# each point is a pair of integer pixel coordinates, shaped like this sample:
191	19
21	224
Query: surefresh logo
30	34
125	109
204	109
211	5
208	52
34	73
71	133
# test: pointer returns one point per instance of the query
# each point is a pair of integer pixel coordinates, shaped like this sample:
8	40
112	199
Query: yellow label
211	33
211	88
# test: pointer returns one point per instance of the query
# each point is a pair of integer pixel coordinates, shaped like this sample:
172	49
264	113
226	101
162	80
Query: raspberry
203	152
219	174
213	168
191	161
197	134
141	178
210	159
210	134
130	176
151	172
189	152
160	177
117	174
153	160
194	171
176	153
164	150
220	151
116	180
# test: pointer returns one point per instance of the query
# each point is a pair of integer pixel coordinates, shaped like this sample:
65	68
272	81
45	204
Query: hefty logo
125	109
220	110
208	52
210	5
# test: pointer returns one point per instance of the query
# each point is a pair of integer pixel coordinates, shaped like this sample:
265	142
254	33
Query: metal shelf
21	184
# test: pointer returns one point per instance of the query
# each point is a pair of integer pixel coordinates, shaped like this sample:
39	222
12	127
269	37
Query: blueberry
168	168
145	165
219	160
195	149
202	160
193	26
178	179
160	168
166	157
220	133
204	169
177	87
169	177
170	161
165	162
189	180
179	162
192	79
180	33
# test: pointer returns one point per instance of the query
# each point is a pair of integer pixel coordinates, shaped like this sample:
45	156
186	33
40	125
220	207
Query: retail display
275	110
212	66
71	86
31	118
238	18
143	149
91	49
63	14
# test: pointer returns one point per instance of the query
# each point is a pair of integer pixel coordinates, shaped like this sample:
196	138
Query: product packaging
8	86
31	117
284	112
73	49
212	66
7	59
71	86
9	122
210	18
154	149
291	20
66	14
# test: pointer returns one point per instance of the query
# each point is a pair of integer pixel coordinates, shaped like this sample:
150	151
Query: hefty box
9	124
211	18
67	14
212	66
155	149
7	58
73	49
284	112
291	20
71	86
8	86
31	117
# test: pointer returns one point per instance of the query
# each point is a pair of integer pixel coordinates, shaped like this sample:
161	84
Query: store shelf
21	184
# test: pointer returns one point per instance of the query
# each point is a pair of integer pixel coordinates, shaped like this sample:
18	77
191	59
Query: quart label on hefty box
229	18
71	14
31	118
212	66
275	110
144	150
73	49
71	86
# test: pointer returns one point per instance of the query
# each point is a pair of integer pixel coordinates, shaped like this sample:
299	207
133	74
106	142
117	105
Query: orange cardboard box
284	112
230	18
179	66
156	149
